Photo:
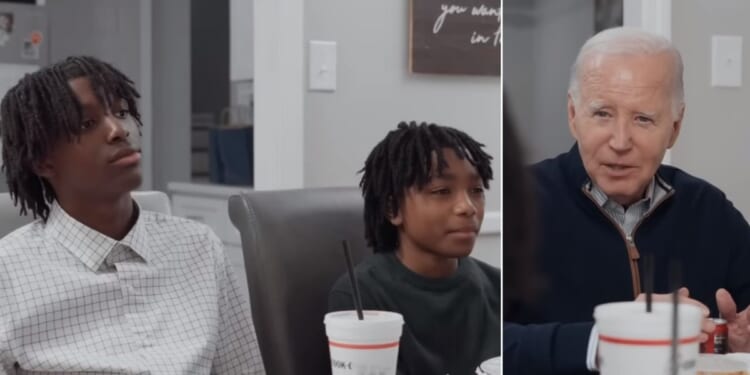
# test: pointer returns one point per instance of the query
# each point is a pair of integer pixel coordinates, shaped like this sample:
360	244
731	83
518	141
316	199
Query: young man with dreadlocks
424	194
96	284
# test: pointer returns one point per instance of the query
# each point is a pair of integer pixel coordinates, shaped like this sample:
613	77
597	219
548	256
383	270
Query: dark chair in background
291	241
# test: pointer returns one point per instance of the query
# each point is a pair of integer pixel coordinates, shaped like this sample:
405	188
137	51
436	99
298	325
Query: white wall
542	39
279	98
171	91
715	133
111	34
375	91
240	39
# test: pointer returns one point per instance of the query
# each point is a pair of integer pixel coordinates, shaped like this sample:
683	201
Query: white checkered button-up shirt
163	300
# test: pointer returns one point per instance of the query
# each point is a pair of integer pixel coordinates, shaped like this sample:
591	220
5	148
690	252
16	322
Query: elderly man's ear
677	126
572	117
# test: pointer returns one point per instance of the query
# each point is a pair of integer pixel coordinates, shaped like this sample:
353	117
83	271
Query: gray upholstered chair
292	247
11	219
152	200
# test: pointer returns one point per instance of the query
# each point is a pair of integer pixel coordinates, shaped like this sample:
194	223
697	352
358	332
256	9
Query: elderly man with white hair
609	202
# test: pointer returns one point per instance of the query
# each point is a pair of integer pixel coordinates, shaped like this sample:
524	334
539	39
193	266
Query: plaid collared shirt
163	300
628	218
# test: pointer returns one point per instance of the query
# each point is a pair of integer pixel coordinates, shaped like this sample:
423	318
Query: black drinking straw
675	279
648	284
353	280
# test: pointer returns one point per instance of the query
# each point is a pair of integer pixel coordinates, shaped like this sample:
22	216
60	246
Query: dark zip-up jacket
586	260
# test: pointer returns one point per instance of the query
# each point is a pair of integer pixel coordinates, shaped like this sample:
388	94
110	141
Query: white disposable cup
492	366
632	341
368	346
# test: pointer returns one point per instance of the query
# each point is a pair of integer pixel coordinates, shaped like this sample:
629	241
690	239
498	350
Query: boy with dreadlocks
96	284
424	191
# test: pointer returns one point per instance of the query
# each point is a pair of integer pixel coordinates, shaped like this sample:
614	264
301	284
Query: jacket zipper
633	254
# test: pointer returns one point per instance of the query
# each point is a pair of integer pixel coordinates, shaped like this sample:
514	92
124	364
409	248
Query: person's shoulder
483	266
369	273
186	238
364	271
166	223
698	195
23	249
484	270
548	171
547	165
23	239
178	230
687	184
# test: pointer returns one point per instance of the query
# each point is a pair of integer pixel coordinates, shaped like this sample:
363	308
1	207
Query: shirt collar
137	238
657	190
90	246
602	199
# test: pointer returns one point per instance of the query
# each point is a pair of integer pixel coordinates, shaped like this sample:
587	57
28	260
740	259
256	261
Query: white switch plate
726	61
322	70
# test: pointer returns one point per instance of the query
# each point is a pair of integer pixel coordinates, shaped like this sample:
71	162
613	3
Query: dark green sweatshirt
451	324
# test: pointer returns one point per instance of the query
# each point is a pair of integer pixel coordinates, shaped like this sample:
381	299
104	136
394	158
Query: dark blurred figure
519	280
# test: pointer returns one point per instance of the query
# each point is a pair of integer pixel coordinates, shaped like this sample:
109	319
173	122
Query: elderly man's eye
644	120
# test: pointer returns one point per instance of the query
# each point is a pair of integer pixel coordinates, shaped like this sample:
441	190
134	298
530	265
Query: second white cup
364	346
632	341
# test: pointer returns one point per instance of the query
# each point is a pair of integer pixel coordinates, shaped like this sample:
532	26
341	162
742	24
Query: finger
683	293
704	309
703	337
708	326
727	307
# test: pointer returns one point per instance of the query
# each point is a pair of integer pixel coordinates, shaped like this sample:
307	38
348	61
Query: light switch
726	61
322	70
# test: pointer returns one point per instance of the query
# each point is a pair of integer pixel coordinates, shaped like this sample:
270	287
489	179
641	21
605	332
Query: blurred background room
228	101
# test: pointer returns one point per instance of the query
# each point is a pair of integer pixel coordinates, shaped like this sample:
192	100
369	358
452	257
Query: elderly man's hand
707	326
737	322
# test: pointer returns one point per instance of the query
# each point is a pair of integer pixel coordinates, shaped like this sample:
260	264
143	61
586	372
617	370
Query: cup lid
349	317
377	326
